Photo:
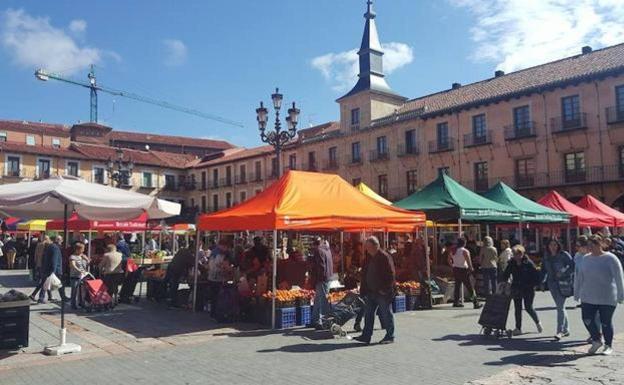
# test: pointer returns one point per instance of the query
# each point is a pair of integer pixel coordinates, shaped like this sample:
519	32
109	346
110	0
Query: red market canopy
592	204
311	201
74	223
579	217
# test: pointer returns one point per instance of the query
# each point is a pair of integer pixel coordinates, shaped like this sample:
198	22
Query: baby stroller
94	294
341	313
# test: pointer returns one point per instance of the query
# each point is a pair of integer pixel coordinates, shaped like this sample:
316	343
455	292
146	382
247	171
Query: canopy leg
459	228
196	269
568	238
274	285
342	256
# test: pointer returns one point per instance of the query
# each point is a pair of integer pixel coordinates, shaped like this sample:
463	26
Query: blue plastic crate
304	314
412	302
399	304
285	317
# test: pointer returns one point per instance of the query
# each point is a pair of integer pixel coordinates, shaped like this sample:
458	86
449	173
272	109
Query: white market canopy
47	199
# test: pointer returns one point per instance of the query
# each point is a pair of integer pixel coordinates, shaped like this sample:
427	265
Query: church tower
371	97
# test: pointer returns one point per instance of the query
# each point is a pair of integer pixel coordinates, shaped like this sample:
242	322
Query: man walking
377	287
321	271
53	263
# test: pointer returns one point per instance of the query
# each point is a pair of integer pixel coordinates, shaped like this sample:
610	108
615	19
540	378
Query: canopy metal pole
142	264
62	285
520	232
487	230
274	285
427	252
28	240
568	238
196	270
537	239
342	256
89	245
459	227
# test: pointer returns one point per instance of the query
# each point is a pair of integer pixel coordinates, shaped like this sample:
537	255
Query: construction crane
95	88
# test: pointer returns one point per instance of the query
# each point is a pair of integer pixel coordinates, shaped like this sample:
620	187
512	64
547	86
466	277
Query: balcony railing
576	176
255	177
472	140
524	181
379	156
481	185
274	174
225	182
615	114
520	131
13	174
353	161
331	164
403	150
170	187
190	185
310	166
214	183
240	179
560	124
42	175
441	145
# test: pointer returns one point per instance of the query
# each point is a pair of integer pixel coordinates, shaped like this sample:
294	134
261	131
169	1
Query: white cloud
33	42
78	26
175	52
515	34
341	68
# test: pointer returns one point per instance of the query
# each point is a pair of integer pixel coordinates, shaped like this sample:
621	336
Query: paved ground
149	344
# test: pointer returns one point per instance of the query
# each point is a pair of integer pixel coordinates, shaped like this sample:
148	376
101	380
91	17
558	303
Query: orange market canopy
311	201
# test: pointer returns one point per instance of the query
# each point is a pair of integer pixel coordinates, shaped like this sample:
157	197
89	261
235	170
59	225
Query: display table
14	324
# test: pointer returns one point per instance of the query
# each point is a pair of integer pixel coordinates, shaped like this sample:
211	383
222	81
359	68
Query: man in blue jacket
53	263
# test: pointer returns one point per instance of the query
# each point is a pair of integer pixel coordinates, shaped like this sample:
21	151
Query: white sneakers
594	347
607	350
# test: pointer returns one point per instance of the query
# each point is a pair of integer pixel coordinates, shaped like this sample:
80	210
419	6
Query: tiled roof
166	139
601	62
318	130
35	127
22	148
146	158
234	155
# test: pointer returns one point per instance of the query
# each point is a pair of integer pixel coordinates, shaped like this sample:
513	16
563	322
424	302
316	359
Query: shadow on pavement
313	348
16	279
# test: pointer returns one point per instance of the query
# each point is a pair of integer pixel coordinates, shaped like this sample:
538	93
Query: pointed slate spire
371	76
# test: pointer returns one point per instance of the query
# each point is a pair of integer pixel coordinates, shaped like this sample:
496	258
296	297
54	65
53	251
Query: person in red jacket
377	287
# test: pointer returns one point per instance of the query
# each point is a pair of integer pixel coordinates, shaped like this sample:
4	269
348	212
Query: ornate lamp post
119	170
278	137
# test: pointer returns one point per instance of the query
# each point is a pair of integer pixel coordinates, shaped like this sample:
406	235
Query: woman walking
524	277
559	275
600	287
489	268
462	268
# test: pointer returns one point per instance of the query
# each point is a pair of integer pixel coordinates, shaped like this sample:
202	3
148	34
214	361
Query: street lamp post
119	170
278	137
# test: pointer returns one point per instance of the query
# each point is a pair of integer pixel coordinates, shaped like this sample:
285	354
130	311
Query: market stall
592	204
305	201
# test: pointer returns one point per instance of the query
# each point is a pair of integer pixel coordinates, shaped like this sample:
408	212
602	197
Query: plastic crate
399	304
304	314
412	302
285	317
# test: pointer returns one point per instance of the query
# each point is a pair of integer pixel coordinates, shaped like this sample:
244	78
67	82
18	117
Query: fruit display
408	287
288	298
336	296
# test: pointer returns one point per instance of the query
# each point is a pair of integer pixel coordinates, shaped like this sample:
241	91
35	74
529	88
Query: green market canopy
445	200
530	211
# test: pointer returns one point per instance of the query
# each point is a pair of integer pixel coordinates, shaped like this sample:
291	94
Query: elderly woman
78	265
524	277
599	286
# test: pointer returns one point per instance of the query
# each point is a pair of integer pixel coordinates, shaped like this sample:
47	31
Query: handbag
52	283
131	266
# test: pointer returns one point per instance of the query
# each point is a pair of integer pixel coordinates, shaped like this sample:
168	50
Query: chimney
456	85
586	49
499	73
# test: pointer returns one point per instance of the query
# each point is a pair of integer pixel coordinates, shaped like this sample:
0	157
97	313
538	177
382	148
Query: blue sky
223	57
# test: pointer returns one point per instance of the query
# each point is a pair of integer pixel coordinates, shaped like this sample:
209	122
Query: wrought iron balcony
331	164
255	177
523	181
225	182
214	183
521	130
310	166
353	160
240	179
472	140
404	150
561	124
576	176
170	187
615	114
378	156
441	145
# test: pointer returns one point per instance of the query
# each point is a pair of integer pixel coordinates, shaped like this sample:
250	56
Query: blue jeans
383	304
75	288
489	279
562	315
593	323
321	306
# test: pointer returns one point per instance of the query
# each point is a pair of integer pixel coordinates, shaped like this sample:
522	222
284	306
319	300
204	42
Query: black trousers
462	276
526	295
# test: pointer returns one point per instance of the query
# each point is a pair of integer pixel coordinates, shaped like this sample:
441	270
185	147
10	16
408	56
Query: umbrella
48	199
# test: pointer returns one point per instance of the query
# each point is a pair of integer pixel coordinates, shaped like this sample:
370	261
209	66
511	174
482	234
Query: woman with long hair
559	276
599	286
524	277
